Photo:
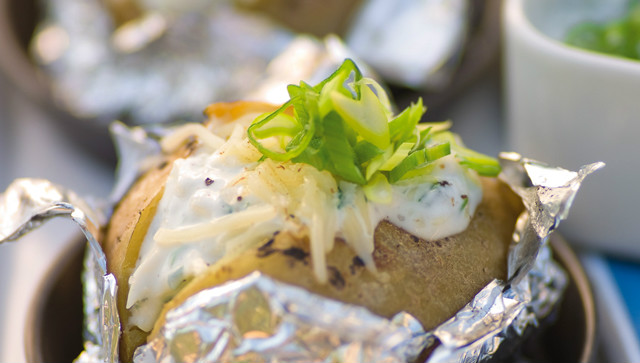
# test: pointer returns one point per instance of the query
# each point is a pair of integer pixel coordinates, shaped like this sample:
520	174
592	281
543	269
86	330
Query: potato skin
124	235
431	280
128	225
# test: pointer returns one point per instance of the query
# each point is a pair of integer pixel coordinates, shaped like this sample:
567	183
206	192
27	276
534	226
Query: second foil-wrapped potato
331	192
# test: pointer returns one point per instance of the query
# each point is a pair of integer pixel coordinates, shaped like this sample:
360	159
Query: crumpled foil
504	309
25	205
193	59
179	55
256	319
413	43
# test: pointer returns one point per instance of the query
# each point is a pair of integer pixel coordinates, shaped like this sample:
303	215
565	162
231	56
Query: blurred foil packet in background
153	61
257	319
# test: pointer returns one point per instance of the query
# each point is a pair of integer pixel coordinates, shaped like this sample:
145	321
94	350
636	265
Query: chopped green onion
281	125
314	154
396	158
366	151
345	125
421	174
436	126
378	189
295	147
377	162
340	152
417	159
404	125
335	83
483	164
380	92
347	68
435	152
366	116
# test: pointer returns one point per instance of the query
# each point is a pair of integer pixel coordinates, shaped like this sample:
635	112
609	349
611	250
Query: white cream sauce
208	186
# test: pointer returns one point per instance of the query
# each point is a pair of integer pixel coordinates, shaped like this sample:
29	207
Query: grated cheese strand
317	236
237	147
358	234
228	222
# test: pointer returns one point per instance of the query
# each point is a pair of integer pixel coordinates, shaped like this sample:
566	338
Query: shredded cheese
357	230
225	199
229	222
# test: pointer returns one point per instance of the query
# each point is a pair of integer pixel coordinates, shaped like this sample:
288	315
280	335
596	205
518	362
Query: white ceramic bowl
570	107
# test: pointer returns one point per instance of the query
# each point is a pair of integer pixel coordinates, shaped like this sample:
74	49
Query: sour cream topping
222	200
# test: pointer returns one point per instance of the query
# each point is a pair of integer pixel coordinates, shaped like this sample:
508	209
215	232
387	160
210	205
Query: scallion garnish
345	125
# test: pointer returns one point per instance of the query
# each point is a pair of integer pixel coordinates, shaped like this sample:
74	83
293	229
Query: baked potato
368	224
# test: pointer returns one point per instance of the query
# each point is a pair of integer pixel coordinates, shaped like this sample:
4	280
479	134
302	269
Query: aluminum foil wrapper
256	319
25	205
504	309
176	56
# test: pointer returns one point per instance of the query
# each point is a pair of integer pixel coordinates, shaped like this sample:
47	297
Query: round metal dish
54	328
